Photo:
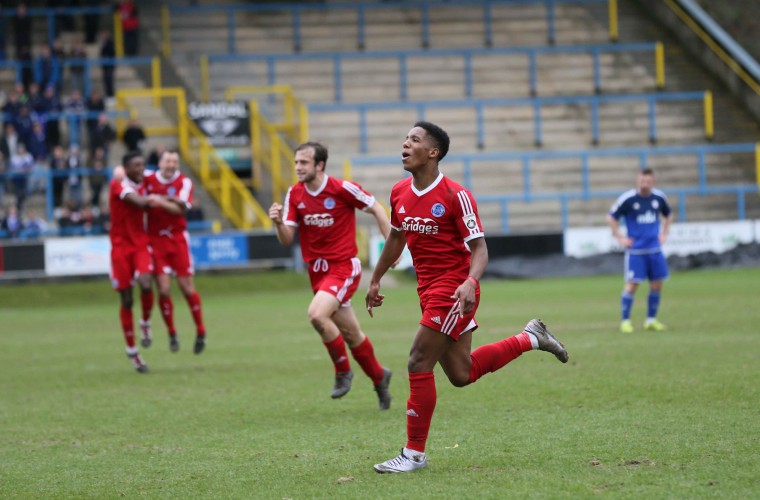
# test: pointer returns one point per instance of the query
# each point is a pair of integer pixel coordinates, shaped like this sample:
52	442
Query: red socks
491	357
166	306
338	354
127	326
364	354
194	301
419	409
146	299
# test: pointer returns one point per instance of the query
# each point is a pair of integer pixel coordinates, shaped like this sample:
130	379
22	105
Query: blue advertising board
214	250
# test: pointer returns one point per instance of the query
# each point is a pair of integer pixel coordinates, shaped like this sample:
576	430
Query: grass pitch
645	415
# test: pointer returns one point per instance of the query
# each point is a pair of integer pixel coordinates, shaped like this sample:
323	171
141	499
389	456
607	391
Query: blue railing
360	9
74	120
51	13
86	64
467	55
537	103
644	154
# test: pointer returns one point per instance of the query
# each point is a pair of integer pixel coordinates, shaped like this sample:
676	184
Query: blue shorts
651	266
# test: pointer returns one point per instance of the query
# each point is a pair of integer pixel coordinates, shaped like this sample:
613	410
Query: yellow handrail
709	123
234	199
659	63
612	8
166	46
118	35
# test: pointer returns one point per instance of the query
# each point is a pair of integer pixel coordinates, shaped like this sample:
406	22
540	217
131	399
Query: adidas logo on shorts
436	320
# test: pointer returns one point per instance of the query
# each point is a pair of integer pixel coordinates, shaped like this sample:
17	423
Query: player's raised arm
285	233
381	216
394	245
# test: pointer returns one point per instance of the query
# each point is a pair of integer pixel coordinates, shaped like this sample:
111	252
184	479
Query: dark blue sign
211	250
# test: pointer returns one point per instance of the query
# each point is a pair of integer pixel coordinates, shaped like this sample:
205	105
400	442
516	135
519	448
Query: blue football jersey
642	218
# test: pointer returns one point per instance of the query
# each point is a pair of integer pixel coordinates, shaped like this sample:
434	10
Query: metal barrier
467	55
526	158
235	200
537	103
360	10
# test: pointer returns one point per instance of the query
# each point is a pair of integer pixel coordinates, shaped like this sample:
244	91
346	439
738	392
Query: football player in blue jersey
647	219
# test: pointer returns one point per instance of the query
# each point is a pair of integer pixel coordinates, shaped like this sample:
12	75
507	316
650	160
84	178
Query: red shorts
441	313
340	279
127	263
172	255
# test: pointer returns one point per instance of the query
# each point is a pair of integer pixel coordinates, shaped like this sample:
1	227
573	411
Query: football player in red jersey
167	230
322	208
438	220
131	258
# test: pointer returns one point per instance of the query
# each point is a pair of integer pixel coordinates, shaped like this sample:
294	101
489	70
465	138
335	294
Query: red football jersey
437	222
161	222
127	220
325	218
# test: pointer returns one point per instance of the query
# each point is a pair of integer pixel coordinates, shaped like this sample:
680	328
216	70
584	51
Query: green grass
646	415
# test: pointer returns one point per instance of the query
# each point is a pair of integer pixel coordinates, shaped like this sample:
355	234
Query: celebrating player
438	219
167	229
323	210
642	208
130	253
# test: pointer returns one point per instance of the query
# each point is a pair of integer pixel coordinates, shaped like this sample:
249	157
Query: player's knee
127	302
317	320
459	379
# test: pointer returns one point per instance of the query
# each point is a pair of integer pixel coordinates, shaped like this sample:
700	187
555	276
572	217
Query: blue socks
626	303
653	304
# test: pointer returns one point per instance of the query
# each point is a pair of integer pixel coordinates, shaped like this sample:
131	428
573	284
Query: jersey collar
319	190
163	180
429	188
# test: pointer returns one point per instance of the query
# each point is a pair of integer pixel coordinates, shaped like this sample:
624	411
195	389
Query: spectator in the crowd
3	176
130	24
11	106
38	148
98	176
102	136
9	141
107	51
154	156
78	55
22	26
74	181
34	98
58	167
95	104
52	107
21	166
58	50
134	135
91	21
24	123
75	108
33	225
12	224
3	31
47	68
26	61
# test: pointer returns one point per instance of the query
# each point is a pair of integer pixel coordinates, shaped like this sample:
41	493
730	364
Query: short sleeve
467	220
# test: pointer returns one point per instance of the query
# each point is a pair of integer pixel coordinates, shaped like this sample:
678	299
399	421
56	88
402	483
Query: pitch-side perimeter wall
90	256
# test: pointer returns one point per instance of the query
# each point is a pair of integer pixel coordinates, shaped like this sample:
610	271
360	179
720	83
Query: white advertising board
77	256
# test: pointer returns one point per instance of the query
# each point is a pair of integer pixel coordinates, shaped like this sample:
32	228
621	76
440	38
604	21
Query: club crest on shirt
438	210
329	203
655	204
172	191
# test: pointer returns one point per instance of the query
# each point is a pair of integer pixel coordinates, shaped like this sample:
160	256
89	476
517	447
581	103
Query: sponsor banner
685	238
224	123
219	250
695	237
77	256
376	243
